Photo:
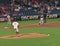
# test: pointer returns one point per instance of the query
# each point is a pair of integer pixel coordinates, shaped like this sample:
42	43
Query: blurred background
28	9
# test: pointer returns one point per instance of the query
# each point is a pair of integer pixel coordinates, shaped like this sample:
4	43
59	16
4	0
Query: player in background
16	27
8	19
41	18
41	21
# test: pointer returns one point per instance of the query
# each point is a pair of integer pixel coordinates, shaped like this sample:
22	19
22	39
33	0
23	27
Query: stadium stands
28	7
31	11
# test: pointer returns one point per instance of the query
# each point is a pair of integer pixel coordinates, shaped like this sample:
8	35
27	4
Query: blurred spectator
17	9
4	14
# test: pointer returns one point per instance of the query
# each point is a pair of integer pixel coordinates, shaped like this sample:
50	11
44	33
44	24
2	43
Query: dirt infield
31	35
51	25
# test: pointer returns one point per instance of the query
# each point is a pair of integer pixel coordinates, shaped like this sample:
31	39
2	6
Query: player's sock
17	33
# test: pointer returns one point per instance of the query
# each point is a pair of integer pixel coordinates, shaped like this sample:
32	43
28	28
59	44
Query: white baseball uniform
15	25
41	20
8	18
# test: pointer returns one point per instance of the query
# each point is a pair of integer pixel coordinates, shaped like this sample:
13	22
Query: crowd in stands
27	7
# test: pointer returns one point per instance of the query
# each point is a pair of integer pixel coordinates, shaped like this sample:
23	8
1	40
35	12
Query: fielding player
41	20
8	19
16	26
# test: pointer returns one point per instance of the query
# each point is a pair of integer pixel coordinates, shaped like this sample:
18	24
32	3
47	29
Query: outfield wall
30	17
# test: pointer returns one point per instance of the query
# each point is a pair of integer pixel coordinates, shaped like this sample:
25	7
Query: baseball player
16	26
8	19
41	20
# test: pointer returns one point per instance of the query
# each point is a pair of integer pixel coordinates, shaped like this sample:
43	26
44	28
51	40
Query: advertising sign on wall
29	17
3	19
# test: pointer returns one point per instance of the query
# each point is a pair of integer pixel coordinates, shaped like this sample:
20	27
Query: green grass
37	21
31	22
52	40
53	20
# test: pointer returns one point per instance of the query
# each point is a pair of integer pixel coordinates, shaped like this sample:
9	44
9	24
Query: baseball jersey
15	24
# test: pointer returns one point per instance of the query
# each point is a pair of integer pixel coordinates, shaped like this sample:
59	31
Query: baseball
48	34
